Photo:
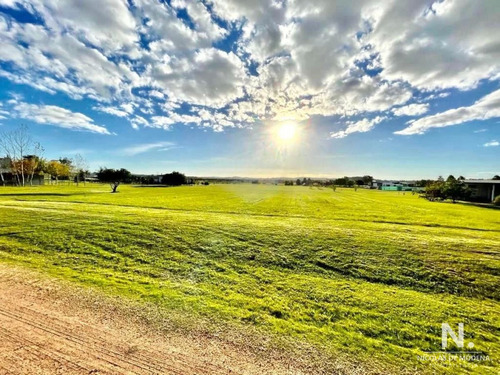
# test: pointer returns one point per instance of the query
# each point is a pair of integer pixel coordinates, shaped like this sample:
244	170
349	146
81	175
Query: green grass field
367	275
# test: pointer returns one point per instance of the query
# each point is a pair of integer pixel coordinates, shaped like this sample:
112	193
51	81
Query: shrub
174	179
496	201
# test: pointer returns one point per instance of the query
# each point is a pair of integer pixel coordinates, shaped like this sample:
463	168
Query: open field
365	276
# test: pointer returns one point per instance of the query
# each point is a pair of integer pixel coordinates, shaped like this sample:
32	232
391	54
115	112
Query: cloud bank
227	63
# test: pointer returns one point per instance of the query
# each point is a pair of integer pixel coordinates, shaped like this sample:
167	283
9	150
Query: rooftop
483	181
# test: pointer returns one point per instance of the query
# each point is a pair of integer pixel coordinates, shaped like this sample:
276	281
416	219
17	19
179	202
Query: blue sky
395	90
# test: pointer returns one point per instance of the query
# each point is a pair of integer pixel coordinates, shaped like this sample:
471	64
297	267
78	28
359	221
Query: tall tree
34	164
455	189
16	145
79	168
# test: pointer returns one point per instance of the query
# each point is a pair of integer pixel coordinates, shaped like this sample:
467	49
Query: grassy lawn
367	275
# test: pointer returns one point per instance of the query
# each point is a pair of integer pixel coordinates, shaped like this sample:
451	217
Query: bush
174	179
451	189
496	201
114	177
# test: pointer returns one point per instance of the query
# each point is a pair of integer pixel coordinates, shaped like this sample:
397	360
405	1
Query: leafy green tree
341	181
114	177
33	164
455	190
434	190
174	179
367	180
56	169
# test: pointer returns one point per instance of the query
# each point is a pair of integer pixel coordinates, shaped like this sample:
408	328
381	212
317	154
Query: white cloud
8	3
61	62
162	122
136	121
57	116
492	144
147	147
411	110
111	110
480	130
485	108
437	45
210	77
157	94
361	126
105	23
293	60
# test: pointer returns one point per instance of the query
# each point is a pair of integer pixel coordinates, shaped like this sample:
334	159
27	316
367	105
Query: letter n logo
446	330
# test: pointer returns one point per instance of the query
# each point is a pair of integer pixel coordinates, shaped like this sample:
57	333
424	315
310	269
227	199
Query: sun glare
287	132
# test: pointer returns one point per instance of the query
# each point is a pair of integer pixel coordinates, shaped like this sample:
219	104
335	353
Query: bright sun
287	132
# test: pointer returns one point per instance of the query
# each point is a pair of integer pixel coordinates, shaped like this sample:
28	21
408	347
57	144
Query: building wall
483	192
10	180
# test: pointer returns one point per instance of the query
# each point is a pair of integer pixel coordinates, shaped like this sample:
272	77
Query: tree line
24	160
451	188
117	176
343	181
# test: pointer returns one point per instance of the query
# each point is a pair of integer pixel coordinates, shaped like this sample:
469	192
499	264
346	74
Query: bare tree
17	144
79	166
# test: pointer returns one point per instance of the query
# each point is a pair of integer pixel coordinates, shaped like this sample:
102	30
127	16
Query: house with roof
483	190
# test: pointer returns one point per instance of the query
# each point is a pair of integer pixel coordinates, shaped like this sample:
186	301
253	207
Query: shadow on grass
491	206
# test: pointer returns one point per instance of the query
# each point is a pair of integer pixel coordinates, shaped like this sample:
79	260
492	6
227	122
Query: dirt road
47	330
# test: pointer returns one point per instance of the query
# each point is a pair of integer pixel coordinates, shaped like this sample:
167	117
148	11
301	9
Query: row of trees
116	176
344	181
451	188
24	160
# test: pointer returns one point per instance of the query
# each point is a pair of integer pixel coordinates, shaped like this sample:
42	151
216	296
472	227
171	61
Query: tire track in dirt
143	362
39	351
47	328
114	360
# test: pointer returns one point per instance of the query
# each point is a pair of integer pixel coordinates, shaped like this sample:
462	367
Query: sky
393	89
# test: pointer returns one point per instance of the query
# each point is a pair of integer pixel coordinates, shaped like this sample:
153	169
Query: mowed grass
367	275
